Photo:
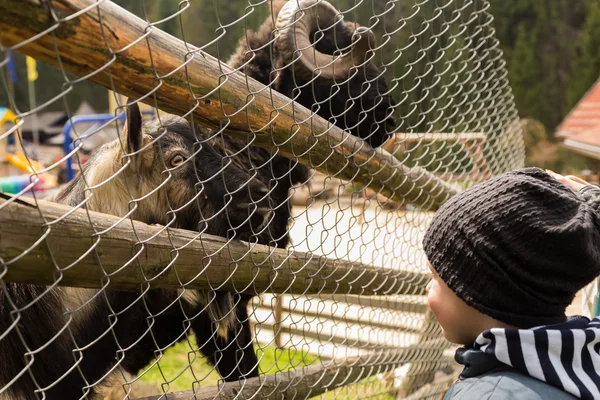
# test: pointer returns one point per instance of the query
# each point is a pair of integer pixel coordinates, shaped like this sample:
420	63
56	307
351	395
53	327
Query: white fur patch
120	385
77	301
191	297
200	298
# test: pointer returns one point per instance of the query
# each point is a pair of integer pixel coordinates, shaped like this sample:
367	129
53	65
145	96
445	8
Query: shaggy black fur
362	104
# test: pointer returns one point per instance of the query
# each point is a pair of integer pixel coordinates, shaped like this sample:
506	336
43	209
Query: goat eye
177	160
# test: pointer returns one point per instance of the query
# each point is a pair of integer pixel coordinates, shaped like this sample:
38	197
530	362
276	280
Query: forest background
552	50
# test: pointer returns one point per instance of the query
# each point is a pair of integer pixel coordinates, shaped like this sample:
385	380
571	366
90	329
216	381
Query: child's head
510	252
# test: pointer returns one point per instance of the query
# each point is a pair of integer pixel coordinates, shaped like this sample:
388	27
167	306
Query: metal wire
451	114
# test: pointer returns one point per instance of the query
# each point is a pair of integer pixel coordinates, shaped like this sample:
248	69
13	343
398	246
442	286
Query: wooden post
116	49
277	326
51	242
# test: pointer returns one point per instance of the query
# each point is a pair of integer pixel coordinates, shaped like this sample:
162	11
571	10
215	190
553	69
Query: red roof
585	142
585	116
589	136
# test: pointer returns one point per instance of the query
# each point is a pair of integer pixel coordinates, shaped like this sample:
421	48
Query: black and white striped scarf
566	355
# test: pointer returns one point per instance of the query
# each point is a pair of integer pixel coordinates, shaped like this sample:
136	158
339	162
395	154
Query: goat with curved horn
307	51
297	23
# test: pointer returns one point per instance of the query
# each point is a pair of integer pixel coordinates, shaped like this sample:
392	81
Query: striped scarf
563	355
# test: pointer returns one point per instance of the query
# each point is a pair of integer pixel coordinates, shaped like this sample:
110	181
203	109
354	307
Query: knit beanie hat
517	247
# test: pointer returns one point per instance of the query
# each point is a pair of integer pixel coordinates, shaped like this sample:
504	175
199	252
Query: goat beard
219	305
221	310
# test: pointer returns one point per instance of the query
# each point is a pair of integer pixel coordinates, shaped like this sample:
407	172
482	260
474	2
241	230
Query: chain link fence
207	199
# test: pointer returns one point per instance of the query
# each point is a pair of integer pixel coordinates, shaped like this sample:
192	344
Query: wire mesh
324	297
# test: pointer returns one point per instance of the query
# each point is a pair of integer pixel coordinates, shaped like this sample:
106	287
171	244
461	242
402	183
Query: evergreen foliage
587	61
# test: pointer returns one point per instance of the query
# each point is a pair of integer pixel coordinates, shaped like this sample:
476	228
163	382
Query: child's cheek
438	303
434	301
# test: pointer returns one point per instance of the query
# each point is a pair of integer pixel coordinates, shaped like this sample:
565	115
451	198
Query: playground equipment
32	179
16	183
100	121
6	117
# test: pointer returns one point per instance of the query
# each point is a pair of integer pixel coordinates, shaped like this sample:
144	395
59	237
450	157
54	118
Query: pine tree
551	47
587	65
523	73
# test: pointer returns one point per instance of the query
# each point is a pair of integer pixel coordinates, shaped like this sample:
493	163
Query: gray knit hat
517	247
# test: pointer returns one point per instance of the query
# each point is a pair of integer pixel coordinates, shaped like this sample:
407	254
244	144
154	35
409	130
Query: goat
350	91
294	53
163	173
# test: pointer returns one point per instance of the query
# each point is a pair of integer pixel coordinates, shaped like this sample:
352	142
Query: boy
507	257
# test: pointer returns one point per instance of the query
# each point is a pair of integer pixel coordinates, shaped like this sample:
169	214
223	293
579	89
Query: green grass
181	367
185	369
273	360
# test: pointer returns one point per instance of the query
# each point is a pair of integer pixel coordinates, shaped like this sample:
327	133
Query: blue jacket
495	381
556	362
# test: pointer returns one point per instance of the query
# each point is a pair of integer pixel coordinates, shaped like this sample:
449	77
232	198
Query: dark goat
349	90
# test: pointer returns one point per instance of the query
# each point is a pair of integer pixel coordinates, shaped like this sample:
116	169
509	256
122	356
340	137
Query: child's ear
133	137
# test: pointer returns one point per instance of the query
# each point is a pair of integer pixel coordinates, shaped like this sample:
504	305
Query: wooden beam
115	49
439	137
325	338
278	315
387	303
48	243
310	381
310	315
412	137
405	305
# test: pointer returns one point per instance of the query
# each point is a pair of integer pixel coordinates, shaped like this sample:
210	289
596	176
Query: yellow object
32	73
20	161
6	116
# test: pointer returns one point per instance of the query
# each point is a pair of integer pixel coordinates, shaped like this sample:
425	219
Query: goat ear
133	138
133	129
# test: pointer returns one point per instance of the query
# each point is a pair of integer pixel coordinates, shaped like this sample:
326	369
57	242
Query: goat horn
298	20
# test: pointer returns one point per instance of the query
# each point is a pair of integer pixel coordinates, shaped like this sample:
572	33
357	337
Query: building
580	130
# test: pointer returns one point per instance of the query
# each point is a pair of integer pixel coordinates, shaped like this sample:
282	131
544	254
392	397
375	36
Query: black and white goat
66	341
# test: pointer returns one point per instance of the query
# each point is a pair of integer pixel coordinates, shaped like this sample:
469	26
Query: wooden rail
380	302
314	380
48	242
347	320
472	143
399	138
115	49
325	337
